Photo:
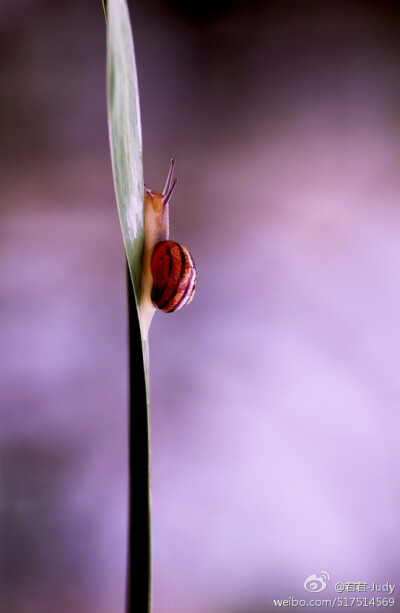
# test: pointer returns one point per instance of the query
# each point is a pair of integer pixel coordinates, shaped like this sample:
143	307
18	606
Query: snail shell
174	276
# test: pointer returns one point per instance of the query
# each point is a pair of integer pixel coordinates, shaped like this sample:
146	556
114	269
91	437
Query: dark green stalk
138	594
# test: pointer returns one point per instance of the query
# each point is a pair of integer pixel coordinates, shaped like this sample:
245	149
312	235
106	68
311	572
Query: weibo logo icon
316	584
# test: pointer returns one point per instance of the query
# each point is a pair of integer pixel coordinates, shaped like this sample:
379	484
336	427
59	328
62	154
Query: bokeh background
275	395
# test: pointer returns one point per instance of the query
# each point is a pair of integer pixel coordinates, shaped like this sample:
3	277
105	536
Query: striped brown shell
174	276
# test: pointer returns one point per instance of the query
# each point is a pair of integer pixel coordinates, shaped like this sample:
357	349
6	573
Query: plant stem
138	596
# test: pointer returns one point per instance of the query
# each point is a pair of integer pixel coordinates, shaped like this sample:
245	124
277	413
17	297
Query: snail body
168	270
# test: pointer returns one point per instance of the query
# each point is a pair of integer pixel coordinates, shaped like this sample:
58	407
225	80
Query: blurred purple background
275	396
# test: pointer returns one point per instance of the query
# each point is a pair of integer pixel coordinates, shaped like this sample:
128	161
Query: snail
168	269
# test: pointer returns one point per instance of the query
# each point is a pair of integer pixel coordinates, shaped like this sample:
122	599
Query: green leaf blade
125	134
